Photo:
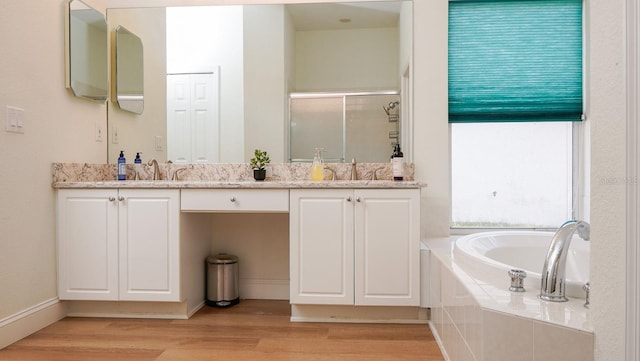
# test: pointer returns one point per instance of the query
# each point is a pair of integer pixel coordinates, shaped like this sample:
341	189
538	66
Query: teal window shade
515	60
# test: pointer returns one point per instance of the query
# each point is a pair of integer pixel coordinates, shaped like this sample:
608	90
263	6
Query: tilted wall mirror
128	71
86	50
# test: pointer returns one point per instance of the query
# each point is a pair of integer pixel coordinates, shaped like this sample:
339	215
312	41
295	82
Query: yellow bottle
317	168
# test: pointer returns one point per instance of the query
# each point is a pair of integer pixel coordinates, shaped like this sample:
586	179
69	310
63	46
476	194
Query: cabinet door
321	246
87	244
149	247
387	247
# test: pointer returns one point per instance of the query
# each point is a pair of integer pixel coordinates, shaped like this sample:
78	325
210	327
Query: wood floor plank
251	330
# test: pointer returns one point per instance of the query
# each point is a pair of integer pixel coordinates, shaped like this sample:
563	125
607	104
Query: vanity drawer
235	200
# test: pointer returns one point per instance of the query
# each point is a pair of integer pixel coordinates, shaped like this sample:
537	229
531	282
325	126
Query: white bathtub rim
571	314
483	268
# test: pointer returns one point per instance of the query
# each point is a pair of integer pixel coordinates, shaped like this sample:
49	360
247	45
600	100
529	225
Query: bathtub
474	316
488	256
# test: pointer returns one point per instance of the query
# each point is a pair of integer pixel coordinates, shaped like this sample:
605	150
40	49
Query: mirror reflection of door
192	118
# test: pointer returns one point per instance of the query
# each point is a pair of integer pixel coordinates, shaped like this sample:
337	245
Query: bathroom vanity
350	242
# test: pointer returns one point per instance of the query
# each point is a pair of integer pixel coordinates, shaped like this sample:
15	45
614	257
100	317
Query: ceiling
335	16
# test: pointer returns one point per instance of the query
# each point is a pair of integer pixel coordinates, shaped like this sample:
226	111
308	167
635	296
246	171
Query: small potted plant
258	162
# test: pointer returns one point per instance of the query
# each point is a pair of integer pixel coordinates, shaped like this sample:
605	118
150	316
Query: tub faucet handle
587	289
517	280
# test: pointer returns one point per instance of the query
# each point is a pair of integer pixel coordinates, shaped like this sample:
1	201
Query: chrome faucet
552	284
156	169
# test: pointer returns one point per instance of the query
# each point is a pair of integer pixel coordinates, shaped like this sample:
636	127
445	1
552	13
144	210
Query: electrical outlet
115	137
99	132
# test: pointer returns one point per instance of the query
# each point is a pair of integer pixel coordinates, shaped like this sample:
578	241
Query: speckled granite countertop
199	176
240	184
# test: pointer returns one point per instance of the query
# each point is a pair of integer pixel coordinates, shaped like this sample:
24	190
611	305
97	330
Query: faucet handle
375	173
354	172
333	172
517	280
177	173
587	290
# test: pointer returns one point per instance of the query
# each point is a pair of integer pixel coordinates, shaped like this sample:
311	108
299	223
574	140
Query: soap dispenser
122	167
397	163
137	166
317	168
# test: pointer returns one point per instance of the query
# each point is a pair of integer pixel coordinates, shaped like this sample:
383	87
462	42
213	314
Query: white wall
607	121
58	127
430	113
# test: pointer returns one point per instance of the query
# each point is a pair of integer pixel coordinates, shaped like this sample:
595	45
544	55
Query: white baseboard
128	309
438	339
358	314
195	309
30	320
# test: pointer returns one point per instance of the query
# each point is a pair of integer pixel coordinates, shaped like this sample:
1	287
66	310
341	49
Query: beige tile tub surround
469	330
236	172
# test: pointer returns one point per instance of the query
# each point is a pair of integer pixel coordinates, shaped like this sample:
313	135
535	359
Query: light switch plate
15	120
159	144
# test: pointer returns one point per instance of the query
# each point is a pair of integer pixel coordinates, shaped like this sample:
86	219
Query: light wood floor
251	330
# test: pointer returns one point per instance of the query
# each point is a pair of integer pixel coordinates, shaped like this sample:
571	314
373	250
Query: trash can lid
222	258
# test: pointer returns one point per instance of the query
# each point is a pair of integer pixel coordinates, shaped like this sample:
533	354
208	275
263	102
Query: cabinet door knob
112	199
357	199
121	198
232	199
348	199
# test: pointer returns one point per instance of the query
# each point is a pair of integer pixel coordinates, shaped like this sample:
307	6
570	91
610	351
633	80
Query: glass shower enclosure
363	125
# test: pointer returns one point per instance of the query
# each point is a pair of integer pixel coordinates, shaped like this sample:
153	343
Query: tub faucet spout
552	285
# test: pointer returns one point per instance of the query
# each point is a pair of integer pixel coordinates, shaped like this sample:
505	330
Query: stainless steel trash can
222	280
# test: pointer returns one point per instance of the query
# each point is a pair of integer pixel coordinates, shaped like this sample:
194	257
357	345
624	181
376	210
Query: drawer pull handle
232	199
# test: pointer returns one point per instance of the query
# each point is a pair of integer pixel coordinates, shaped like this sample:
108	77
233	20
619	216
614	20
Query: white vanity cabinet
118	244
355	246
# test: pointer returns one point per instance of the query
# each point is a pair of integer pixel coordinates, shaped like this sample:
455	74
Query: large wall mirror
86	51
128	71
246	60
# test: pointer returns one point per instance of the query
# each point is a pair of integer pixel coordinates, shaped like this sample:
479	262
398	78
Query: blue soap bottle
122	167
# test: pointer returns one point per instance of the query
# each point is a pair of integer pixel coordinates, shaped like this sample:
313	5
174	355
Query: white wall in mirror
128	71
138	133
350	59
